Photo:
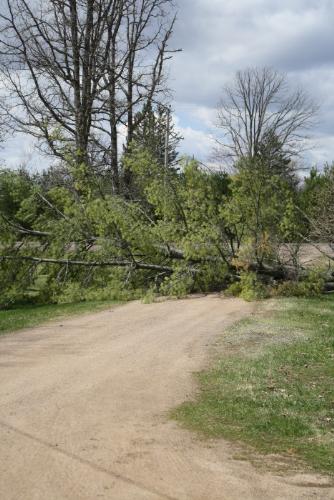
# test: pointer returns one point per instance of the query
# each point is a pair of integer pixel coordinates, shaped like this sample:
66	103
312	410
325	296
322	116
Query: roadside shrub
17	286
72	292
248	288
179	284
211	278
314	283
75	292
289	289
311	286
149	296
14	295
234	290
252	287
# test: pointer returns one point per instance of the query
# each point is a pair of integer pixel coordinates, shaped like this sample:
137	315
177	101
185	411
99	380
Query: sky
219	37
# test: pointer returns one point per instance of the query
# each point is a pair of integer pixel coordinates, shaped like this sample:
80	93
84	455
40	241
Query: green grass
33	315
273	385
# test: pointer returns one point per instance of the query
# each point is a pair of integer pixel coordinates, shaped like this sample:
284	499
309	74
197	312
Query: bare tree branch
260	117
75	72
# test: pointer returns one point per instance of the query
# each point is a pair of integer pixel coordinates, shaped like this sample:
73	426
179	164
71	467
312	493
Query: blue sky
219	37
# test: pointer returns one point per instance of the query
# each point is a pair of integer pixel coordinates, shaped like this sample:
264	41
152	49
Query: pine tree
150	134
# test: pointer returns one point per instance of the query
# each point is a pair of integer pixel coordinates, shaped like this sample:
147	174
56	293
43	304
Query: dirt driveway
84	410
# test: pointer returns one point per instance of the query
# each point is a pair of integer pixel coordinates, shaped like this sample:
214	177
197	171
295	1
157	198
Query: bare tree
260	117
75	71
135	78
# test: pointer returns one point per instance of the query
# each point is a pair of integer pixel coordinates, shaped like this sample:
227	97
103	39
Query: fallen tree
188	230
90	264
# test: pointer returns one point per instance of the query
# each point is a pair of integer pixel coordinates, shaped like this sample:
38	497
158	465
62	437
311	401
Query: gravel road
84	406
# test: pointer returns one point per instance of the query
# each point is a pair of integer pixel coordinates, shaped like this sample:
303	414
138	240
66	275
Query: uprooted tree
79	75
190	230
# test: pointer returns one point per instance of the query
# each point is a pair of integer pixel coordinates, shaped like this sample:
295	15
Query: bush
211	277
72	292
252	287
150	296
311	286
75	292
179	284
234	290
248	288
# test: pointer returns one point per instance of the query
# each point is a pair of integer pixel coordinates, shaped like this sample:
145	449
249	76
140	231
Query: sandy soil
84	411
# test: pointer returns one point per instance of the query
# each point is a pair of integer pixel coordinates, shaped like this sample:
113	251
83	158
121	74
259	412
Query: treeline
187	230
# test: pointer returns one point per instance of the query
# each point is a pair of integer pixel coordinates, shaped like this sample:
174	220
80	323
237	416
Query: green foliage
252	288
311	191
150	134
234	289
180	284
72	292
15	187
290	227
311	286
199	227
321	216
150	296
75	293
211	277
259	203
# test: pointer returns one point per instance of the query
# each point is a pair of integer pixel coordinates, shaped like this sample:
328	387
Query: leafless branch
260	117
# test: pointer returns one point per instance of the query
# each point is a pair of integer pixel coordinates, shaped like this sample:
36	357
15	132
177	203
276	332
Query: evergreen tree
151	134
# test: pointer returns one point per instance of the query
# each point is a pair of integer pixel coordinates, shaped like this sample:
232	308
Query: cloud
20	151
218	38
195	142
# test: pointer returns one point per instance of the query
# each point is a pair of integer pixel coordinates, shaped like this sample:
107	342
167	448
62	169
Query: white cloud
195	142
221	37
21	151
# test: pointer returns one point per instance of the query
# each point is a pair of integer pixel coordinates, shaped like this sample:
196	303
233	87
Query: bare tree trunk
76	72
113	122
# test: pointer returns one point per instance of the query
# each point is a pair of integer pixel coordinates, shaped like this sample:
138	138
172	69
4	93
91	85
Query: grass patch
273	385
33	315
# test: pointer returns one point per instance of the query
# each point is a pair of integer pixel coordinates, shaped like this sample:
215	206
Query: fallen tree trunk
329	286
111	263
